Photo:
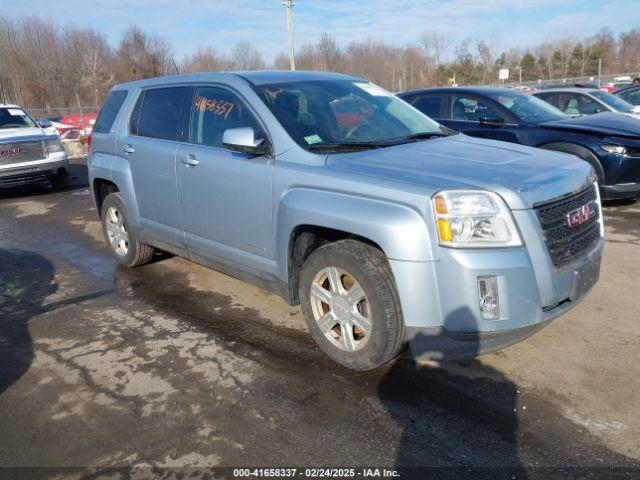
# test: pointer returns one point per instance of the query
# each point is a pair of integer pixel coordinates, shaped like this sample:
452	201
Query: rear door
150	144
225	196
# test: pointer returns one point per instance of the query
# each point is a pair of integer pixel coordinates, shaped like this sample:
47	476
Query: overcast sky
189	23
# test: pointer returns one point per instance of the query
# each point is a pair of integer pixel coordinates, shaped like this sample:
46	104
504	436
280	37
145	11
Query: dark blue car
610	142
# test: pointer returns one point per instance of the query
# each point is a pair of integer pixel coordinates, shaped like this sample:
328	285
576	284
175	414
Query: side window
548	97
471	109
109	111
157	113
214	110
633	97
430	105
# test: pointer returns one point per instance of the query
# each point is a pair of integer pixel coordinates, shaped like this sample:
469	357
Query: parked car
610	142
630	95
582	101
27	152
385	226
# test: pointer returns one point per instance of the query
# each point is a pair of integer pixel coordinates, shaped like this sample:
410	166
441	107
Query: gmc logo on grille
10	152
581	215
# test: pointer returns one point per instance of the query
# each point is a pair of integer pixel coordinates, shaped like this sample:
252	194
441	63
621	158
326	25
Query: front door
466	112
150	144
225	196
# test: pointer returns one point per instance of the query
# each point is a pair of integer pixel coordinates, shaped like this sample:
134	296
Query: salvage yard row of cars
425	218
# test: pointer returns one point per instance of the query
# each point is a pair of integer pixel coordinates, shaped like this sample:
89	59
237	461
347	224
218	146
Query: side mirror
244	140
45	123
492	121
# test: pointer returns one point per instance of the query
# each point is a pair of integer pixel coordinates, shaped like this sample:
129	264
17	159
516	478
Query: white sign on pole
503	74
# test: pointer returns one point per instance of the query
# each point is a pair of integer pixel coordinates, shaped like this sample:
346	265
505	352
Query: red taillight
89	143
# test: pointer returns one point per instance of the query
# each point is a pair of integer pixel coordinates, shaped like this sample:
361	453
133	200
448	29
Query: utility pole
289	4
599	71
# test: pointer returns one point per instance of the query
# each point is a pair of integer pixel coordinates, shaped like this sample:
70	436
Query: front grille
565	243
18	152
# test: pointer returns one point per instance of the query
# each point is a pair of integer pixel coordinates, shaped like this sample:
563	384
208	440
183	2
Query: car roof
9	105
476	90
569	90
259	77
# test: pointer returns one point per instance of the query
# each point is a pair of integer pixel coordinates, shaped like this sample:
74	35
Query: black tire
60	181
370	269
138	253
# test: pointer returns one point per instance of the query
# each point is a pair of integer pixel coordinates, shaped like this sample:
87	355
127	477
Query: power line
289	4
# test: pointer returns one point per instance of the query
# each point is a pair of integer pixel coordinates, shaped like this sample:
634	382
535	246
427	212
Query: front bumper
28	172
621	191
440	299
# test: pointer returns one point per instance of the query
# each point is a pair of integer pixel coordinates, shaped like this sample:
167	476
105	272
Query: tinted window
631	96
548	97
472	109
430	105
109	111
157	113
214	110
578	104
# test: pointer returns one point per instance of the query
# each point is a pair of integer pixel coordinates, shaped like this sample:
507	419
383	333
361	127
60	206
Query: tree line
45	65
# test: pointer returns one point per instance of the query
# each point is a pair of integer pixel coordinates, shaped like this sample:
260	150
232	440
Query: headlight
54	145
472	219
619	149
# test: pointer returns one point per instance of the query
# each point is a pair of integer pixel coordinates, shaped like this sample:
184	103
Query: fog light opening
488	297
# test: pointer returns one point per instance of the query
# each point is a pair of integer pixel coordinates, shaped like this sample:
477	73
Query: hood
10	134
523	176
605	123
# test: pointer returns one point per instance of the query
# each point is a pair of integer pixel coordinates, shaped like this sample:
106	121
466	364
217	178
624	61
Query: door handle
128	149
190	160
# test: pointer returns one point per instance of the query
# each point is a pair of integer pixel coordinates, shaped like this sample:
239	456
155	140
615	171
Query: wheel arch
308	219
580	151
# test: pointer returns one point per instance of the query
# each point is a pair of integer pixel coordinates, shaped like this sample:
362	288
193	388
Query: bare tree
435	44
205	59
140	55
244	56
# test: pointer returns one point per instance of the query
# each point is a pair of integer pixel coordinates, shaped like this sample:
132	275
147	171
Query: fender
117	170
400	231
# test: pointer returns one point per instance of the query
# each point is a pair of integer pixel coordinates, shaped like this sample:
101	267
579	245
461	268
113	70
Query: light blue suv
386	227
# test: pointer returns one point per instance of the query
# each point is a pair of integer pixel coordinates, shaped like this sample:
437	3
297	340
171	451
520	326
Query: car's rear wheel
122	241
350	304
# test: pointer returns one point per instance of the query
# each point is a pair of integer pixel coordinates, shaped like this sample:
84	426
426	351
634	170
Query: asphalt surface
175	365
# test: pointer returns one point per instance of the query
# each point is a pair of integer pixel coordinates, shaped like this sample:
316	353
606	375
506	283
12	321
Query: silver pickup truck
28	153
386	227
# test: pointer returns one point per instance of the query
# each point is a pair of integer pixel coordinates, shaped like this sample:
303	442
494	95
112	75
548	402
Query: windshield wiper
349	146
424	136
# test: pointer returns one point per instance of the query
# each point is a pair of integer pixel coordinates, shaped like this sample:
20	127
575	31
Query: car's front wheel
122	241
350	304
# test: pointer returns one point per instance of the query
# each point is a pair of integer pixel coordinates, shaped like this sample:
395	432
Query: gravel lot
173	365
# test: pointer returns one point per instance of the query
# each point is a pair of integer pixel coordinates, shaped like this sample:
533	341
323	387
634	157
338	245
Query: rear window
109	111
157	113
430	105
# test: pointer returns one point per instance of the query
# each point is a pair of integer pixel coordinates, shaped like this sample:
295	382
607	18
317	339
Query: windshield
340	113
527	107
14	118
615	102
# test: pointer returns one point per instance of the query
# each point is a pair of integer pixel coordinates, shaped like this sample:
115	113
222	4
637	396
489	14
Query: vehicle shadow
453	414
26	280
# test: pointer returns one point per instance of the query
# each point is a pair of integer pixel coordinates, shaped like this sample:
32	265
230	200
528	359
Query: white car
586	101
27	152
